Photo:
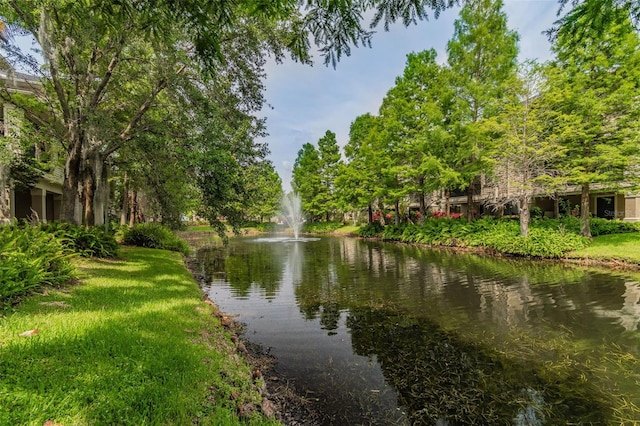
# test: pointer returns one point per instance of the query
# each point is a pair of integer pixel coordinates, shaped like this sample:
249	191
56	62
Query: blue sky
307	101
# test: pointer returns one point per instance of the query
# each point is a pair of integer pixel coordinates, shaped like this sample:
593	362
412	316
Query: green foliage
413	115
321	227
595	111
539	242
87	242
307	180
503	236
24	171
482	58
31	258
263	226
153	235
267	226
372	230
599	226
264	187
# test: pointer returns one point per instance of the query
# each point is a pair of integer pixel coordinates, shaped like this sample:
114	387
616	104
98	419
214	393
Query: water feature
374	333
292	210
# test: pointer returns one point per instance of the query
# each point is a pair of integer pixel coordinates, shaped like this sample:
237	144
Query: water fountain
292	209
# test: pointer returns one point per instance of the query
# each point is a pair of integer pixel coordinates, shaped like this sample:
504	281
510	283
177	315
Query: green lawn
131	344
200	228
347	230
625	247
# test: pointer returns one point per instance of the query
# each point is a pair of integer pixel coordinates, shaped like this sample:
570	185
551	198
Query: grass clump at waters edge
132	344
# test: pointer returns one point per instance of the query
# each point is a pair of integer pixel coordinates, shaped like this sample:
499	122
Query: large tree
527	152
264	190
584	17
307	181
108	62
482	56
330	161
358	181
593	87
415	112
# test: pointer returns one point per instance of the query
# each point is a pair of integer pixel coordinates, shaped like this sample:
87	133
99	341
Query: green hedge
153	235
31	258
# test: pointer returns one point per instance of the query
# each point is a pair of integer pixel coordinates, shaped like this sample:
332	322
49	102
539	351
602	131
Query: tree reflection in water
448	338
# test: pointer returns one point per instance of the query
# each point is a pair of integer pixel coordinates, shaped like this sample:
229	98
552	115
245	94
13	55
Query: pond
376	333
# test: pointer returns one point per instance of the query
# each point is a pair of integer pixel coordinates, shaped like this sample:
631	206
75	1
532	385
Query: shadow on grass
134	348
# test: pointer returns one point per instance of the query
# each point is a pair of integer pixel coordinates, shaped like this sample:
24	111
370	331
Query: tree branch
97	95
125	135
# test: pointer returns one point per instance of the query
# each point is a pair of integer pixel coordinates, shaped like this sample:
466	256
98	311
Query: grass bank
131	344
611	248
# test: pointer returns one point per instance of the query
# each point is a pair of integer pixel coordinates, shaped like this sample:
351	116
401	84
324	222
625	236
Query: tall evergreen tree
307	181
593	87
527	151
358	182
482	56
415	112
330	160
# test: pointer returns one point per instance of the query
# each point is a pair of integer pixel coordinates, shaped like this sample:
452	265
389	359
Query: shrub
87	242
539	243
31	258
601	226
373	230
153	235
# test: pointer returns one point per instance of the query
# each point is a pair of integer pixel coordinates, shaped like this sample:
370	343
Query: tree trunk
95	188
556	207
525	216
423	207
585	226
132	208
470	202
5	206
370	213
397	218
88	190
71	208
447	205
102	194
125	201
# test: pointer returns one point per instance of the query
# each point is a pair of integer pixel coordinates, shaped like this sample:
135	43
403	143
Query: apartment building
603	203
41	201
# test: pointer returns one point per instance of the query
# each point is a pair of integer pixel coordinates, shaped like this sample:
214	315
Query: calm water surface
385	334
